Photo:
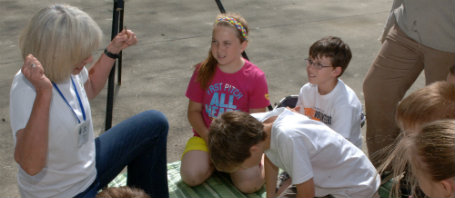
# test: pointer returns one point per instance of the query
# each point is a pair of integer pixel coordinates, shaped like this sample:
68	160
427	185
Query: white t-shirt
309	149
340	109
70	168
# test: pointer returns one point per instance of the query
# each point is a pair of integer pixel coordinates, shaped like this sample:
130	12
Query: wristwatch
111	55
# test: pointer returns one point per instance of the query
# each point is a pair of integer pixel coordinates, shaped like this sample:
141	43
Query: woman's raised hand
124	39
34	72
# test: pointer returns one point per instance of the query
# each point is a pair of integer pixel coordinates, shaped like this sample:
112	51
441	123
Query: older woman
55	147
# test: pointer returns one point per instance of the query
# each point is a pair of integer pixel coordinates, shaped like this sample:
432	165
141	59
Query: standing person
320	161
55	147
223	82
419	35
326	97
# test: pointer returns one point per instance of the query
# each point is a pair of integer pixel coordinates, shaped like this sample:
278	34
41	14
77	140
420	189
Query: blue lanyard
66	101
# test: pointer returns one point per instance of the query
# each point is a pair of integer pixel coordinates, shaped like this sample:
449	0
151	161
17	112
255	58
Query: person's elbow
32	171
29	168
193	113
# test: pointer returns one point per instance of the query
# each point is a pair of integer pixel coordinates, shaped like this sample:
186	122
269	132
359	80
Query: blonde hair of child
434	150
430	150
208	66
433	102
60	36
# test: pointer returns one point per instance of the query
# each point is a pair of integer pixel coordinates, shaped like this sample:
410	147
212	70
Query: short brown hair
231	136
433	102
123	191
335	49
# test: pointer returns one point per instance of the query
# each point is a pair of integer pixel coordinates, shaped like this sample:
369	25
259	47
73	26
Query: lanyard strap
66	101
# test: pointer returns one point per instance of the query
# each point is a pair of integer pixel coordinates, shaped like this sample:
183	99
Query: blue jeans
138	143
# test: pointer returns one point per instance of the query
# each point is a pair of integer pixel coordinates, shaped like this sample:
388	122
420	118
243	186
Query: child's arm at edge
259	110
305	189
271	176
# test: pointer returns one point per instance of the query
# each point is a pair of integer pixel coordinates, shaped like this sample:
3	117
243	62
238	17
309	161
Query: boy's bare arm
305	189
271	175
259	110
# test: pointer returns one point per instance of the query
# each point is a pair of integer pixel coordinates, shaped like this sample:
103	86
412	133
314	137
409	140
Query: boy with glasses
325	97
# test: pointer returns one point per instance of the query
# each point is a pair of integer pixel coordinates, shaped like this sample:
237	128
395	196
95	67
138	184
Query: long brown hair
434	148
207	68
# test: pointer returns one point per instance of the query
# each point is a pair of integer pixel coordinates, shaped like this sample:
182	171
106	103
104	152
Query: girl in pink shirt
223	82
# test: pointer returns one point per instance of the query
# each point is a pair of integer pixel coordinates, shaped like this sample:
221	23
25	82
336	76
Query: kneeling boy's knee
248	187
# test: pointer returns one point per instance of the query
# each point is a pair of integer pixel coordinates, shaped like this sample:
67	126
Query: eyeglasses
317	66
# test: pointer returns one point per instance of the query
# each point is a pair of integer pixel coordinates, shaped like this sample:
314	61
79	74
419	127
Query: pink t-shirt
246	89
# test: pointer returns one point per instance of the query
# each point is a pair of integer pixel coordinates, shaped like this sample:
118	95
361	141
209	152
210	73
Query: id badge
82	130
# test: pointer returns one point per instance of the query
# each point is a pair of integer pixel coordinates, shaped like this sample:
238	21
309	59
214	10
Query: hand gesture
124	39
34	72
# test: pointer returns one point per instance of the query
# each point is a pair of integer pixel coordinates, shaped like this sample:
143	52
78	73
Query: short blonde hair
60	36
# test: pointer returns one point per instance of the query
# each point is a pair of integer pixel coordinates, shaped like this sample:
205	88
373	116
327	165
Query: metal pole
120	28
220	6
117	23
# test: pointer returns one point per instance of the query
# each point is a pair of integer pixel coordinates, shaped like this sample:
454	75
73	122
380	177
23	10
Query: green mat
218	185
384	189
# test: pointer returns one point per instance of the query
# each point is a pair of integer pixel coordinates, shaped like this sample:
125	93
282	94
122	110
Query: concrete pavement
174	35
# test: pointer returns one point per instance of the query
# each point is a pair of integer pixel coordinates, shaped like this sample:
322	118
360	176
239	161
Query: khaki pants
392	73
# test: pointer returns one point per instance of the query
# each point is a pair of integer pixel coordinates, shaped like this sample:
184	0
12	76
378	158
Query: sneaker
282	178
284	181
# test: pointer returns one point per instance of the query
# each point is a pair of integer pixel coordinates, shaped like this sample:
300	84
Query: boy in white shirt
325	97
320	161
